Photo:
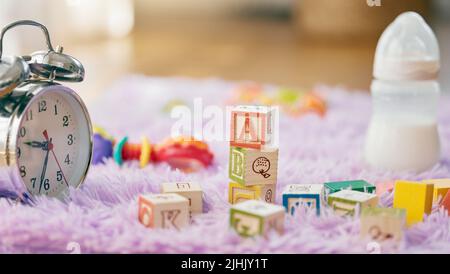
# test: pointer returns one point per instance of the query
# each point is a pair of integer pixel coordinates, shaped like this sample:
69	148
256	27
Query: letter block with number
192	191
253	167
382	224
302	195
346	201
252	126
168	210
251	218
238	193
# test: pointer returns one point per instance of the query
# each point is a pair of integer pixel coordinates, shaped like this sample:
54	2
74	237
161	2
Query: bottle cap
407	50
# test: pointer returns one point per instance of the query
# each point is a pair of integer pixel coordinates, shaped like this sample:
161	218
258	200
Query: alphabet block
415	197
344	202
357	185
382	224
253	167
446	202
238	193
251	218
441	188
302	195
386	186
192	191
252	126
168	210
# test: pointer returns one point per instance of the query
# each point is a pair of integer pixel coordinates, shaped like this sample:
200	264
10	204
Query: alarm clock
45	128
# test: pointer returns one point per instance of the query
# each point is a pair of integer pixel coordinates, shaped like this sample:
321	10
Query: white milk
402	146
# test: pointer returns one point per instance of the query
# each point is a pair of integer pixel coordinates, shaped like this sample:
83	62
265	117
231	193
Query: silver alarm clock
45	129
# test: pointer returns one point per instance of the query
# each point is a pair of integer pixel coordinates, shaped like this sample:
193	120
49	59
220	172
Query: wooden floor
265	51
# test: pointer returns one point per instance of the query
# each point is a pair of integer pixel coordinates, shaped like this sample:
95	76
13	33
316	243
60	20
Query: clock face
53	148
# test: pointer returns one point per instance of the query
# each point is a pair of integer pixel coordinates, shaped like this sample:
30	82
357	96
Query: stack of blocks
253	158
253	167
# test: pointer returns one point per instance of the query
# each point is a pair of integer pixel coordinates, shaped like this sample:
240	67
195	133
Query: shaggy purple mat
102	216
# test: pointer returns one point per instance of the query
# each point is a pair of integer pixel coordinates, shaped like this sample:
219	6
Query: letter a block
238	193
253	217
164	210
253	167
252	126
309	196
415	197
189	190
344	202
382	224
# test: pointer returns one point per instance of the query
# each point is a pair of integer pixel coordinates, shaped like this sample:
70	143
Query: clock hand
35	144
44	168
50	148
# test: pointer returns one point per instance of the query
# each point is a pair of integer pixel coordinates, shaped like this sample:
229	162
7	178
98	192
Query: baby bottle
403	132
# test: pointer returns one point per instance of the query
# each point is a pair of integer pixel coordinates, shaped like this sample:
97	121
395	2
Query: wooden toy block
344	202
168	210
253	167
382	224
302	195
238	193
383	187
252	126
192	191
446	203
253	217
441	187
415	197
357	185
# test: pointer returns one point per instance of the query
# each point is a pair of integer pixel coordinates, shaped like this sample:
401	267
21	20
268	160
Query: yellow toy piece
415	197
146	150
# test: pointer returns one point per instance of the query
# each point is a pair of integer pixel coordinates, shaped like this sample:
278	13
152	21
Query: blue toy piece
103	149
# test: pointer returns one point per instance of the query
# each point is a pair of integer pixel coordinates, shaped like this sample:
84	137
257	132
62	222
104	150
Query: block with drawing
168	210
308	195
346	201
382	224
357	185
238	193
190	190
253	167
415	197
253	217
441	188
253	126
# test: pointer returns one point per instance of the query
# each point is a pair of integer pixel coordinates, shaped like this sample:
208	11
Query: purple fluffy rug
102	216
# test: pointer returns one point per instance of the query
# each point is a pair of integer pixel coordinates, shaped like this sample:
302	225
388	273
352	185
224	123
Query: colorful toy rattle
184	153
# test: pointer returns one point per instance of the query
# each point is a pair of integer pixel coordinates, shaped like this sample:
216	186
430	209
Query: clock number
56	110
65	121
23	171
22	132
29	115
42	106
46	184
59	176
33	180
67	159
70	139
18	152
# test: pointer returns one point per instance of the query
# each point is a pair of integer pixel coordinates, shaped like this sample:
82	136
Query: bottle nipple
407	50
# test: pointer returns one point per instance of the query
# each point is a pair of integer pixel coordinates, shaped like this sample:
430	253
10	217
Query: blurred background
294	43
